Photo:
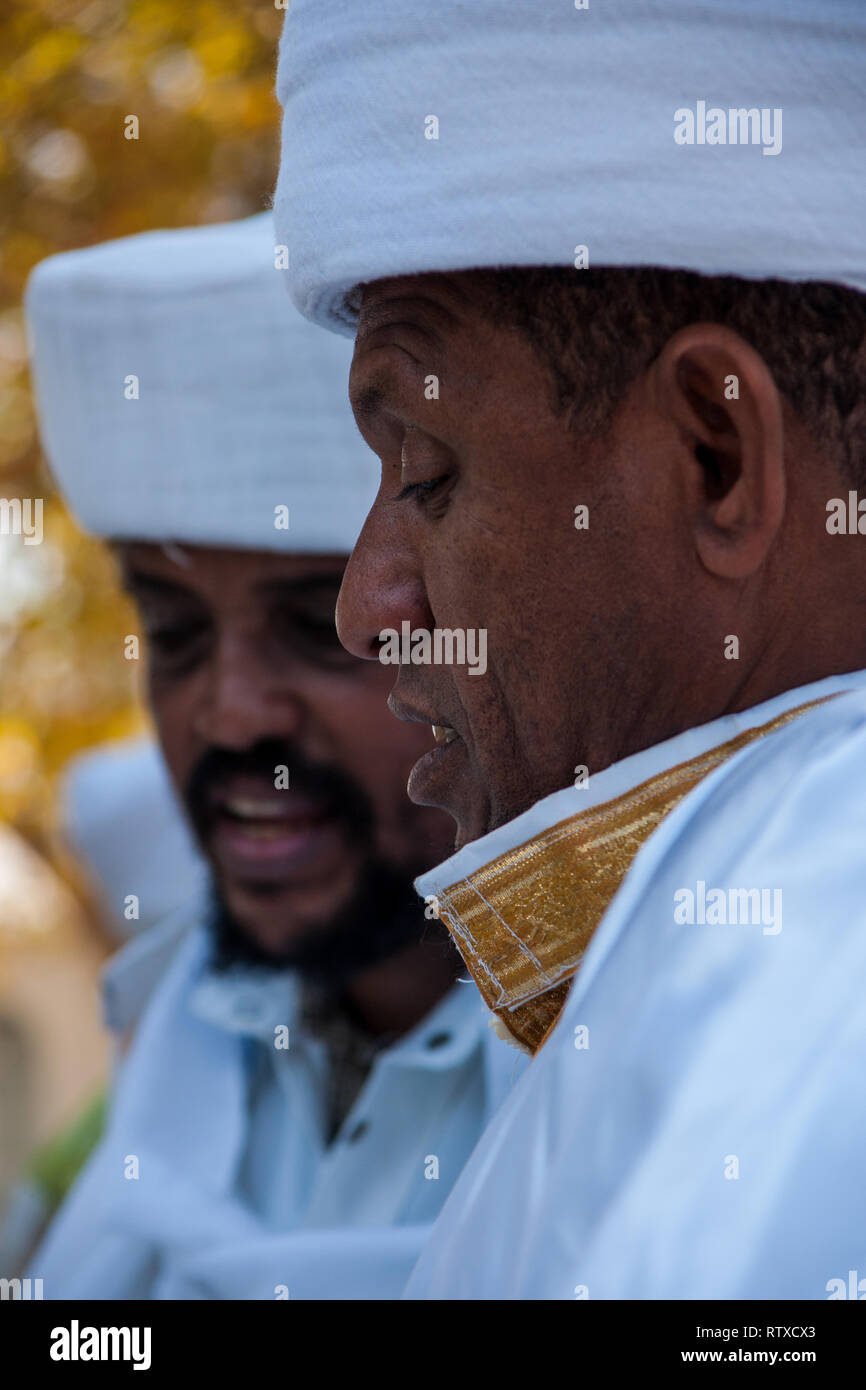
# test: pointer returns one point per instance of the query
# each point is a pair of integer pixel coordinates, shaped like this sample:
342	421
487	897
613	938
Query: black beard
383	917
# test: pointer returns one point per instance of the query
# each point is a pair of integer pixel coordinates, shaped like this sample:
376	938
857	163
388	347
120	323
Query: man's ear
720	397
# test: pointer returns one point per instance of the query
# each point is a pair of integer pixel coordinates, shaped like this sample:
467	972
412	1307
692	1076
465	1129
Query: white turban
511	132
181	397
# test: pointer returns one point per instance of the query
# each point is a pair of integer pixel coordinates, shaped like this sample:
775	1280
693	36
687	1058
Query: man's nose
382	587
241	701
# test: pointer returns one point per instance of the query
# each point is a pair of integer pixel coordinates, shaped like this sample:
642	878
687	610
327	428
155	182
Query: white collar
621	777
248	1000
251	1001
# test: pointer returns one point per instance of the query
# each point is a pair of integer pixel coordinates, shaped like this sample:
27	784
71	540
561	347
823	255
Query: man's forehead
438	297
429	317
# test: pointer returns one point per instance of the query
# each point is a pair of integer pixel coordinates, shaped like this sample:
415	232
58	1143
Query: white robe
214	1180
710	1142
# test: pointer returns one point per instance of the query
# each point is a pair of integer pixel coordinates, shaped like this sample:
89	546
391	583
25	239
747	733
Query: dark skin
707	518
242	648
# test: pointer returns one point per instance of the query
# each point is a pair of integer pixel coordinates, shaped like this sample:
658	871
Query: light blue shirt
214	1179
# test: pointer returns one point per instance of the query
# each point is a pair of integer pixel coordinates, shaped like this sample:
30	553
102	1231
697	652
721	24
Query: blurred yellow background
199	76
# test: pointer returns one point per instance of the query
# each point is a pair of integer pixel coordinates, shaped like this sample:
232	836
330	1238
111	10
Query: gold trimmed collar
523	922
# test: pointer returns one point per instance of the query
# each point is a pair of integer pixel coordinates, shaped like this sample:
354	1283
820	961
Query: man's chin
474	822
381	916
273	917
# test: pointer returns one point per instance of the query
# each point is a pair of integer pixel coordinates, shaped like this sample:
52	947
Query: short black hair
597	330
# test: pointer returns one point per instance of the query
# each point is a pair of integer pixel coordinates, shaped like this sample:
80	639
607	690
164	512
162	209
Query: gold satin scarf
523	922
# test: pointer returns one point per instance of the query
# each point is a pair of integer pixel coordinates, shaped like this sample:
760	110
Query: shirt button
439	1040
358	1132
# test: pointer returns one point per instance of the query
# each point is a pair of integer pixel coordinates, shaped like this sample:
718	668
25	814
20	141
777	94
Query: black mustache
338	794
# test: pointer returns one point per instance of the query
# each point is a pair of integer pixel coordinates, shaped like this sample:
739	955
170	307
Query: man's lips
442	732
432	778
255	830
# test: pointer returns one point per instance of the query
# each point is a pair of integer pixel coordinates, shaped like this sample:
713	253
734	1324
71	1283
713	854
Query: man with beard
306	1076
611	350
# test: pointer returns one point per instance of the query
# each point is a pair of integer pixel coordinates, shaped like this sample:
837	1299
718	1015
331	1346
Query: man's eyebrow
375	392
416	312
368	401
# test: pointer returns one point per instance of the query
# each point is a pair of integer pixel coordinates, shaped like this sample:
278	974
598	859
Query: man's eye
319	629
313	637
312	629
423	491
174	639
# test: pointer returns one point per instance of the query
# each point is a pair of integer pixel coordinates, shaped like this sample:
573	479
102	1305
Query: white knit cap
241	405
511	132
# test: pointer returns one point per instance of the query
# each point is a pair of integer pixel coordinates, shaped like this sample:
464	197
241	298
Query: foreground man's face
473	528
246	673
701	516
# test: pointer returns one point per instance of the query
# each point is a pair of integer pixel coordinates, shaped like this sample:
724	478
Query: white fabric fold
121	816
706	1139
213	1178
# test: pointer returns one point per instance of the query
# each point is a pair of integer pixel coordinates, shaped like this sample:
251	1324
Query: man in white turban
306	1076
606	271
